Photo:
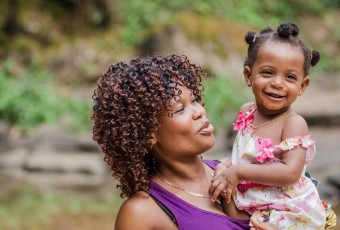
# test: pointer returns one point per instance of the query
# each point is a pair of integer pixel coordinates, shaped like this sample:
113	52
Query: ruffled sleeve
305	142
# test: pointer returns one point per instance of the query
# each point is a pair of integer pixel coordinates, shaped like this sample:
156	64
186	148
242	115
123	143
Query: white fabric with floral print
297	206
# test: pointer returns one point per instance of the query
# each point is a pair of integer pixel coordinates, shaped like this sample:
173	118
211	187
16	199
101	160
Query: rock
320	102
335	181
47	139
216	55
5	143
90	164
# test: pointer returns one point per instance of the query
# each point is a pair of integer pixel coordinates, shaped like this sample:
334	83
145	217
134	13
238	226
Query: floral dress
297	206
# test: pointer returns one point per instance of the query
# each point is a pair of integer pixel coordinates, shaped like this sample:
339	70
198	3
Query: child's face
277	76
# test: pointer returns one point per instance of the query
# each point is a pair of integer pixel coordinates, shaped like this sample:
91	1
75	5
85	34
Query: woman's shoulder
137	202
140	212
132	211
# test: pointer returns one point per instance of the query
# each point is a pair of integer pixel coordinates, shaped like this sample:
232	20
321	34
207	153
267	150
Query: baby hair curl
285	33
128	102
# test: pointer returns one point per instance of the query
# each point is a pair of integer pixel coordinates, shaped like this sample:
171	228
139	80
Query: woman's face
187	132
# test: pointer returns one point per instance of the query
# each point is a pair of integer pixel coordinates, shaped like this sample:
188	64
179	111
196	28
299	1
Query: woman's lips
206	129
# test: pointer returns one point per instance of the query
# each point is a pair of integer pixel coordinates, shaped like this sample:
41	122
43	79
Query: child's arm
275	174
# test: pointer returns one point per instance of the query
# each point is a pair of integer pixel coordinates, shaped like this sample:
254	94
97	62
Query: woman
150	123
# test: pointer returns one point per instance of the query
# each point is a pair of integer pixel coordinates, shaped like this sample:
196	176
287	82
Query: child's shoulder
295	119
295	125
245	107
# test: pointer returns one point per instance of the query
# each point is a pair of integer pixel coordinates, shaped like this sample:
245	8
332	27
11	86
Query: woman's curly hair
128	102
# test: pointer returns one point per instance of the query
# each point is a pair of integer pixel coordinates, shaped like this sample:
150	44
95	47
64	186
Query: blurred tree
81	15
12	27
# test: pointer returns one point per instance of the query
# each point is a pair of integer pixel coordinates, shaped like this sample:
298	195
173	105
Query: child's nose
277	81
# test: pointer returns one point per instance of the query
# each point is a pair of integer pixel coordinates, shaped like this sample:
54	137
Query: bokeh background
52	52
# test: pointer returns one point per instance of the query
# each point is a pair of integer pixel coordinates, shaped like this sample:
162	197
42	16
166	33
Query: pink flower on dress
243	121
264	147
252	207
301	183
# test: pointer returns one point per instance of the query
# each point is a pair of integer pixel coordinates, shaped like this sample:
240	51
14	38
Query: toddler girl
273	147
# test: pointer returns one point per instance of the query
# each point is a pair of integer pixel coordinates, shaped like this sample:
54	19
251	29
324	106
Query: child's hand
224	181
258	225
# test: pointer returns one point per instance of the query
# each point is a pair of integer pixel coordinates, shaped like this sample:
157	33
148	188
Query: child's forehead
278	54
275	44
279	47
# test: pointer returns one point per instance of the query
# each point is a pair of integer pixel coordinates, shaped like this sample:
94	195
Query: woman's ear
247	75
152	140
304	85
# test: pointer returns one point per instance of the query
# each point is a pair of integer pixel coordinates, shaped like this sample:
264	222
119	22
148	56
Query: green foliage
19	205
29	99
221	100
26	208
137	15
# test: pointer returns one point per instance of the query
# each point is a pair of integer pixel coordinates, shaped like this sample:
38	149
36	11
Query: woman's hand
224	181
259	225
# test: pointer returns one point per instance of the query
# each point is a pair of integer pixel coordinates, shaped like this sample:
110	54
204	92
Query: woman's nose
198	111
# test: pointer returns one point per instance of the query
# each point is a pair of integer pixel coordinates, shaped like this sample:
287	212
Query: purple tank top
190	217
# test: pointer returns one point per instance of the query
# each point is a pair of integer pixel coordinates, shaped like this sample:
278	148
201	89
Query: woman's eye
180	109
194	100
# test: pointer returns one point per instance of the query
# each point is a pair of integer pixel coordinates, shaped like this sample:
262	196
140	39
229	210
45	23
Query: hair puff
250	36
266	30
287	29
315	57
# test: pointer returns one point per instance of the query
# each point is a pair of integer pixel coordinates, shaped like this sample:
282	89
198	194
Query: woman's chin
210	143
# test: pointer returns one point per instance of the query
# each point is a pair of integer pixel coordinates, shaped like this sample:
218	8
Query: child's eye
267	72
291	77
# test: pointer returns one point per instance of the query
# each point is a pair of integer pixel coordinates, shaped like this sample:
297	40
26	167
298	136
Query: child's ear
304	85
247	75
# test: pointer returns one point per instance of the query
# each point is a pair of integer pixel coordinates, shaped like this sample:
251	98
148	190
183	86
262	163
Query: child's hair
285	33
